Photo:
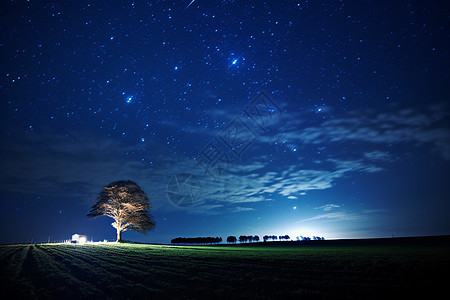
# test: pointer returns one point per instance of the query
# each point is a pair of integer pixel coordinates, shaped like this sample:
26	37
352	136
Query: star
234	62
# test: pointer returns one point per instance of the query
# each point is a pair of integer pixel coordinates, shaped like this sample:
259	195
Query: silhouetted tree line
231	239
255	238
248	238
197	240
242	239
274	237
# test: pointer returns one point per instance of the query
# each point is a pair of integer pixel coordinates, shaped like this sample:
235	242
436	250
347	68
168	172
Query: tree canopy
127	204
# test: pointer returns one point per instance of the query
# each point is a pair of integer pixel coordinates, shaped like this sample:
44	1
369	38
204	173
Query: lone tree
127	204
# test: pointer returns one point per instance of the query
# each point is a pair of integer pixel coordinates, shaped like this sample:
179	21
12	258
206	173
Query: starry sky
326	118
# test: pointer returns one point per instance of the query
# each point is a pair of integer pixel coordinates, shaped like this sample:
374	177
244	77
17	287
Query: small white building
79	238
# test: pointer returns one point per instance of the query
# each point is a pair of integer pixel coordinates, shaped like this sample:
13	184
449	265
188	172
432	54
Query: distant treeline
242	239
274	237
197	240
255	238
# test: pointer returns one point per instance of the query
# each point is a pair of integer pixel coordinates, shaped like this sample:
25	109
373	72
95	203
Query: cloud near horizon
56	165
48	163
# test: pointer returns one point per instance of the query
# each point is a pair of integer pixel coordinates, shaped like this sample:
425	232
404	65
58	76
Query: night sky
326	118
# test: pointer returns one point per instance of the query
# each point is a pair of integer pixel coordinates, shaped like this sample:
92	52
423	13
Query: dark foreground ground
408	268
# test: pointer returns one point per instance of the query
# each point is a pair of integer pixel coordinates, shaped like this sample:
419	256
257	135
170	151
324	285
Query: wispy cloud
78	166
253	185
342	216
241	209
328	207
335	216
377	156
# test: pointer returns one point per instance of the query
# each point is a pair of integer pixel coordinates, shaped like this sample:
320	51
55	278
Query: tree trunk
119	235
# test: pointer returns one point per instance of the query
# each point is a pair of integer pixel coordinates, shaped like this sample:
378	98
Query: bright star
234	62
129	99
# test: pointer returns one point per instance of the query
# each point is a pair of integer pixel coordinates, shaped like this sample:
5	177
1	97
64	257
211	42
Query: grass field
333	270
